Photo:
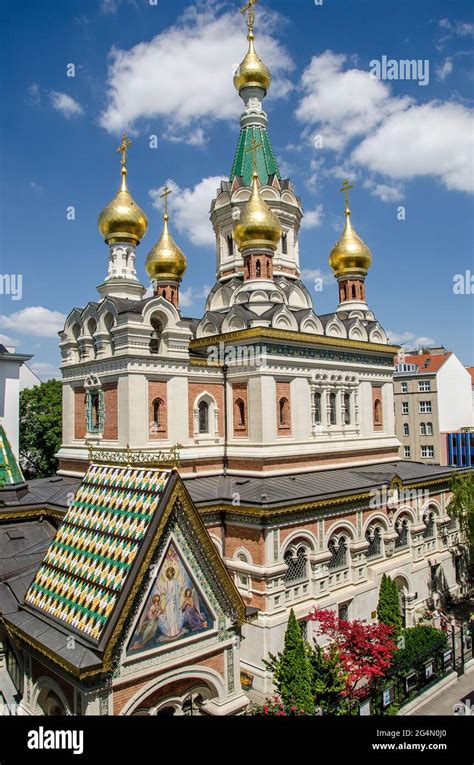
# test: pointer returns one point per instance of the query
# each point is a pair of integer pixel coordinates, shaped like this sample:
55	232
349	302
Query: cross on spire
345	188
122	149
253	149
166	192
249	9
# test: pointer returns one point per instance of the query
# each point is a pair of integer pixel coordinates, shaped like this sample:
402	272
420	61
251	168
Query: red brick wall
111	411
157	389
242	536
283	391
266	267
239	391
217	392
38	669
79	413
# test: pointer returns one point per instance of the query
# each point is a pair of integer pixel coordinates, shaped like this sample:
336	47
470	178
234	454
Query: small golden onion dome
252	70
165	260
123	220
350	255
258	225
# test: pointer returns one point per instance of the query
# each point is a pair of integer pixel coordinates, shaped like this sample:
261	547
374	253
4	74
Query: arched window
240	418
354	295
347	408
109	323
402	528
284	244
422	429
297	565
374	537
332	409
95	411
406	429
317	408
268	269
377	412
343	292
429	519
338	549
155	338
284	412
158	415
230	246
429	428
203	417
258	268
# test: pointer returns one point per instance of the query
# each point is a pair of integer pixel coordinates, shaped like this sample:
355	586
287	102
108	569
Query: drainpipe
225	461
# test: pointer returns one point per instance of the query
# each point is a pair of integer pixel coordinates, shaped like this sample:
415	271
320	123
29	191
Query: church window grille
338	550
429	520
402	528
297	565
374	538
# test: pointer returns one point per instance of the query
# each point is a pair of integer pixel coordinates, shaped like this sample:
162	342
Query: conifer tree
292	672
388	608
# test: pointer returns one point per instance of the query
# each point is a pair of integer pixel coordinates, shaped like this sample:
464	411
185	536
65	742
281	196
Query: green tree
461	506
40	428
292	671
329	678
388	608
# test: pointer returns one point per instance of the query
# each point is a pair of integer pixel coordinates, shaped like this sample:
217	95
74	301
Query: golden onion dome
350	255
165	260
258	225
123	220
252	70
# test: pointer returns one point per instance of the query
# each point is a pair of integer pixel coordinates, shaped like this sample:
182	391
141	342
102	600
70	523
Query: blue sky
166	70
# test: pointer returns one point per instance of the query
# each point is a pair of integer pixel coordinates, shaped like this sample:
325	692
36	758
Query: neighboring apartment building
13	378
433	398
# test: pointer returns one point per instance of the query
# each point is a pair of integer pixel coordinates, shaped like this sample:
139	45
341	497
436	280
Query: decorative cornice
301	337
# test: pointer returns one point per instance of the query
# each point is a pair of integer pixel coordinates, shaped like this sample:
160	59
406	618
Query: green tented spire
10	472
243	160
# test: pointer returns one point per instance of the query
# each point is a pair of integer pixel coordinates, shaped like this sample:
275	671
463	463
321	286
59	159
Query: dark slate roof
278	491
52	492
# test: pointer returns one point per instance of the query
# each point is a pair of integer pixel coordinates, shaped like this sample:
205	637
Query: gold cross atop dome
249	9
253	149
345	188
166	192
122	149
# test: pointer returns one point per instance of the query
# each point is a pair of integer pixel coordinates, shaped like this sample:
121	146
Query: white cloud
192	295
313	218
392	193
65	104
343	104
35	320
45	371
313	274
34	93
109	7
185	73
8	341
409	340
444	69
434	139
190	208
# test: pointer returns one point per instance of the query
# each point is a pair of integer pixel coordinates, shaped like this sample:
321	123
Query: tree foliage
40	428
388	608
329	678
461	505
292	672
365	650
420	643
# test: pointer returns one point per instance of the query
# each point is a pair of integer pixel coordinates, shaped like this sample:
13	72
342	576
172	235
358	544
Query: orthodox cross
345	189
253	149
249	7
165	195
122	149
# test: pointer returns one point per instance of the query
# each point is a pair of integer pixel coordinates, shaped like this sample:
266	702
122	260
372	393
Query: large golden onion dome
252	70
165	261
258	225
350	255
123	220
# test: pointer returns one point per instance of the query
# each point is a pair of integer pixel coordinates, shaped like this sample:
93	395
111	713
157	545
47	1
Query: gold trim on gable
286	334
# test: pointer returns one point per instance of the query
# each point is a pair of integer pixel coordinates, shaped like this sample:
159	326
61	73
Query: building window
422	429
406	429
230	246
429	519
297	565
347	408
203	417
343	611
404	387
304	629
427	452
425	407
155	337
317	408
239	413
402	528
424	386
406	452
284	244
95	411
338	549
258	268
332	409
377	412
159	417
284	413
404	407
374	537
429	428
